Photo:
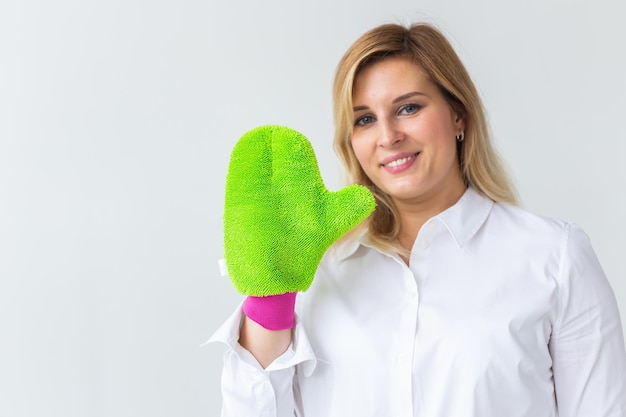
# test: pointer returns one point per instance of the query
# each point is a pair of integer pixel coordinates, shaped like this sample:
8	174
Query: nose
389	134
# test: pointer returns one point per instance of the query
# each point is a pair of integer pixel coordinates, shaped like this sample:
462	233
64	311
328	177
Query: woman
448	300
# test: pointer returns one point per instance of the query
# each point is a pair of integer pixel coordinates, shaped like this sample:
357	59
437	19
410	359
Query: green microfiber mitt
279	218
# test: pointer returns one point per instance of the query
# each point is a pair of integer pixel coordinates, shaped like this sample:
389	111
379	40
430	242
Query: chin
405	193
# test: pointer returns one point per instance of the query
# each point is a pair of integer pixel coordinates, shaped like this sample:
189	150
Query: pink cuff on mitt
274	312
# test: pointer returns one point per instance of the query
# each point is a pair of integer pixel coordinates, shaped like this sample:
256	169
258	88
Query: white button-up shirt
500	313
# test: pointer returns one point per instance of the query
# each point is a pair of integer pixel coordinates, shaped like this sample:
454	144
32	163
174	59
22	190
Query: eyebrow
395	100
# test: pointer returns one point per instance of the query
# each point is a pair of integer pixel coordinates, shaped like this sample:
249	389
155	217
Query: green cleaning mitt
279	218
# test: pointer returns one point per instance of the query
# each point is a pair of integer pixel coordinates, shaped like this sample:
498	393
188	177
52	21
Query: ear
459	119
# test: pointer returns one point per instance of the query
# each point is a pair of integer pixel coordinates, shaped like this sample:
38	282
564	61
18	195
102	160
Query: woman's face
404	132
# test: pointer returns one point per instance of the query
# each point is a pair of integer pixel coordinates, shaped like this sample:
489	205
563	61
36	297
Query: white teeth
399	161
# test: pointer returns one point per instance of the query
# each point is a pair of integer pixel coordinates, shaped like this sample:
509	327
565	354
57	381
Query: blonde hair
480	165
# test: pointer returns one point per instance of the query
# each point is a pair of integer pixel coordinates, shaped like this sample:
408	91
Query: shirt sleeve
250	390
587	344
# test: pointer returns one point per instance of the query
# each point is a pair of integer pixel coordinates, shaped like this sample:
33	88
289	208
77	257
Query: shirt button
433	227
402	358
423	245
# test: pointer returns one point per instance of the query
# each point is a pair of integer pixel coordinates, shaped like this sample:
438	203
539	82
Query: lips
397	160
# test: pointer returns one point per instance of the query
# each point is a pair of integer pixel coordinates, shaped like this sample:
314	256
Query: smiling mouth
400	161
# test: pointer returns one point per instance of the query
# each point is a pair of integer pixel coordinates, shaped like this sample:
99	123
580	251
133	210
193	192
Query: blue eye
409	109
364	120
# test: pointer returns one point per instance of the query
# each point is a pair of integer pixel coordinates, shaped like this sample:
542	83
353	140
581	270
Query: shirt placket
418	269
403	359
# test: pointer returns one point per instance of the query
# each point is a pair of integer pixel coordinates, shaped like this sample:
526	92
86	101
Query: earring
461	137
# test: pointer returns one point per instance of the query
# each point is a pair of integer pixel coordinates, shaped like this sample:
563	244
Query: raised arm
279	219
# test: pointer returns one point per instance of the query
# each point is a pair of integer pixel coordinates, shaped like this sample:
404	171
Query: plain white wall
116	123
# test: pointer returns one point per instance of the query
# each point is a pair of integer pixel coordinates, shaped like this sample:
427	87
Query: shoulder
524	223
551	244
565	239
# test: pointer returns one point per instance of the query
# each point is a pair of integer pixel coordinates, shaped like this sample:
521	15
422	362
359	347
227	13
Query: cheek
446	145
446	155
445	142
363	158
359	152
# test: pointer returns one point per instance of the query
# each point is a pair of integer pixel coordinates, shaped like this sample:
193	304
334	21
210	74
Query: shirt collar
345	249
465	217
462	220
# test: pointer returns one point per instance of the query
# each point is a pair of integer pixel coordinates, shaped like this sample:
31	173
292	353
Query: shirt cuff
299	352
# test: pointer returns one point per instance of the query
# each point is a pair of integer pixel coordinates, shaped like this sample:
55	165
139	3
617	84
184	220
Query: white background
116	123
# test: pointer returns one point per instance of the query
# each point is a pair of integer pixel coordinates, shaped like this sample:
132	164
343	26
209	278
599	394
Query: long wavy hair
481	166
